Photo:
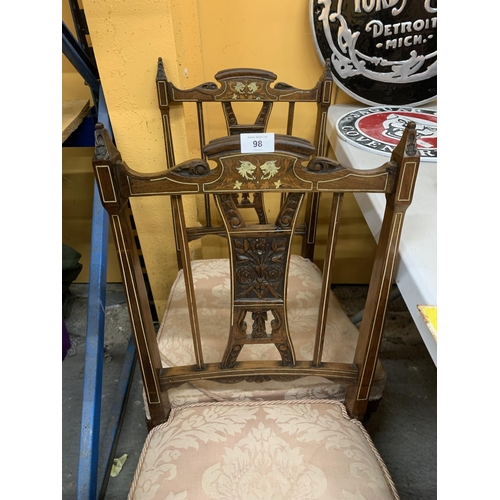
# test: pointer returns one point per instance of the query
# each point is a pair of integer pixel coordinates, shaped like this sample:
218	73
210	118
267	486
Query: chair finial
101	151
160	74
411	145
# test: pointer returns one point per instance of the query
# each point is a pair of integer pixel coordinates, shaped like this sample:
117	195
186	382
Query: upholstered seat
212	281
273	450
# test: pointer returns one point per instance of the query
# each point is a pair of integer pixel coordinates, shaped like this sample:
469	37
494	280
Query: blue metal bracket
72	49
94	353
95	453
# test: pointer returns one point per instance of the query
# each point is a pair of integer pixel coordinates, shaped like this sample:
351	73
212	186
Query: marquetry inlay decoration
406	189
244	89
268	169
246	170
387	278
105	182
132	295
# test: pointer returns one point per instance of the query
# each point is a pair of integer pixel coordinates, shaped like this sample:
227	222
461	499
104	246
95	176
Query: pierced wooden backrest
259	255
248	85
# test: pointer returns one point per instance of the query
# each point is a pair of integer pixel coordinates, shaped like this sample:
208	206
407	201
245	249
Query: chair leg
371	409
149	424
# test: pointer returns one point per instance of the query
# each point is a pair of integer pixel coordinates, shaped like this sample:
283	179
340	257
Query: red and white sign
379	129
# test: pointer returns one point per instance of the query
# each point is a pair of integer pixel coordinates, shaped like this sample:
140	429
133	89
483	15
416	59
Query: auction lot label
381	51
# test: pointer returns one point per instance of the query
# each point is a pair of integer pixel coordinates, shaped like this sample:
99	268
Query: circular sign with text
379	129
381	51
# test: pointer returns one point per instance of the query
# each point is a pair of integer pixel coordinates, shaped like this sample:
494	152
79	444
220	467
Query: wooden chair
254	87
275	107
260	318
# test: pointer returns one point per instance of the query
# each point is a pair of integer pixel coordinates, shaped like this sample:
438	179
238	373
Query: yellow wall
195	39
78	178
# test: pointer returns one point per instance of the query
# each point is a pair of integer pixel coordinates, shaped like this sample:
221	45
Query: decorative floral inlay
252	87
239	87
246	90
269	169
247	170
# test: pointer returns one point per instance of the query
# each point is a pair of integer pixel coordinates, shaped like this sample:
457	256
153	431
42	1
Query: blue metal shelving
96	451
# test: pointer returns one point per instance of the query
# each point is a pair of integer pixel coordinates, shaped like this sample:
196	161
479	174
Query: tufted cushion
212	288
261	451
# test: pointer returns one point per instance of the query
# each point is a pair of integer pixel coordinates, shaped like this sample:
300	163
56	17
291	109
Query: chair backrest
256	87
259	254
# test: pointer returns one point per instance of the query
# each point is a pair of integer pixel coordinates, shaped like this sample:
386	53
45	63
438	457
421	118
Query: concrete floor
403	429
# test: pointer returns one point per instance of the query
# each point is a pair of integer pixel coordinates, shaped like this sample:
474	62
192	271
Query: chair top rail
240	84
284	170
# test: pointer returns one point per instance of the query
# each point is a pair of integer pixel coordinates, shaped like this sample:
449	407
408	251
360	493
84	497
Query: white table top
416	275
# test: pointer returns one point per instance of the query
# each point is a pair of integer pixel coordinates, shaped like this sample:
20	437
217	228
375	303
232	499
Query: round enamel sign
381	51
379	129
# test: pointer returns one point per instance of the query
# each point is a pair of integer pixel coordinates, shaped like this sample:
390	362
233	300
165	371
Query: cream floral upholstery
212	285
261	451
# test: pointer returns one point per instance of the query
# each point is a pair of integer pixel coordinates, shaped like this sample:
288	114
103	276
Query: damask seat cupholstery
256	384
